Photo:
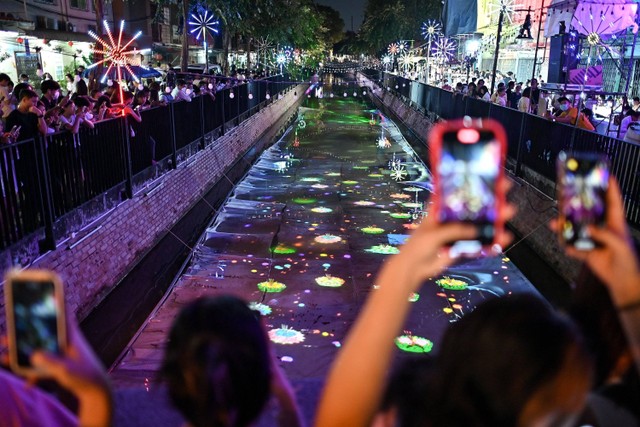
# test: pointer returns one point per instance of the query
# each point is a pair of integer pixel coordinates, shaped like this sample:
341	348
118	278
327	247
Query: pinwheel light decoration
202	25
118	54
431	31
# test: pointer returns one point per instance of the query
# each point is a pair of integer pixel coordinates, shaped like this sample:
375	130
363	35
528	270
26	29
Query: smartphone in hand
34	304
467	158
583	180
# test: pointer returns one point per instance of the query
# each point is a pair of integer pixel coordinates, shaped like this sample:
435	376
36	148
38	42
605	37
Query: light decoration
375	175
280	166
320	186
283	250
350	182
372	230
413	189
383	142
271	286
200	27
329	281
321	209
507	7
394	162
411	205
399	173
328	239
414	297
444	50
399	196
285	335
383	249
304	200
386	60
310	179
263	309
452	284
117	54
400	215
364	203
431	29
413	344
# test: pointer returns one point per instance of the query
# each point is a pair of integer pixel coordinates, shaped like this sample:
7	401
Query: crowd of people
45	107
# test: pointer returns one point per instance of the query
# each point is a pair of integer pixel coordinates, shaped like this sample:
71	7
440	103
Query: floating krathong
271	286
328	238
329	281
263	309
372	230
283	250
383	249
321	209
452	284
286	335
414	344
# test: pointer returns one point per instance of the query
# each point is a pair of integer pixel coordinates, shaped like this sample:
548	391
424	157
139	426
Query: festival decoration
286	335
444	50
271	286
329	281
383	249
117	54
413	344
400	215
372	230
283	250
452	284
328	239
431	30
263	309
321	209
399	173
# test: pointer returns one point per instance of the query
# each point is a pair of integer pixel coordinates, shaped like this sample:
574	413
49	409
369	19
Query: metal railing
533	142
44	179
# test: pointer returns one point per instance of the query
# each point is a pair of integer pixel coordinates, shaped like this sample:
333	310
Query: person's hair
217	363
81	101
143	93
483	90
25	92
496	358
526	92
49	85
69	77
81	88
126	96
94	92
180	82
501	89
635	114
511	84
24	76
636	99
563	99
4	77
103	99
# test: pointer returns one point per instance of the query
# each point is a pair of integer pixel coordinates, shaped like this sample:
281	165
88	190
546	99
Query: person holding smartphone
46	344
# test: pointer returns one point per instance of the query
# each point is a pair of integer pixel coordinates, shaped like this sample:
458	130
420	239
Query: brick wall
94	261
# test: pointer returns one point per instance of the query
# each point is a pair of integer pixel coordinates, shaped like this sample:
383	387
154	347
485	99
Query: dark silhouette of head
217	363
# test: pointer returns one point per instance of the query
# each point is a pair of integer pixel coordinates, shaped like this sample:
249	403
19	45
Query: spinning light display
200	27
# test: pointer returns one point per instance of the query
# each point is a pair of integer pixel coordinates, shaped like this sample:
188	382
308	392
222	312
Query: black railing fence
41	180
533	142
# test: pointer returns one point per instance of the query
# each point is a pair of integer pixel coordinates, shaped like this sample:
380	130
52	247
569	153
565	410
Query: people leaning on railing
569	114
27	118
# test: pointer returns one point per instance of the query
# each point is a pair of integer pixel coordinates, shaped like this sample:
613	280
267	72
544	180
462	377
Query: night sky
347	9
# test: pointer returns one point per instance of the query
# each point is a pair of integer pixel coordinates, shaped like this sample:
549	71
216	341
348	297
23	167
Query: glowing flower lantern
286	335
414	344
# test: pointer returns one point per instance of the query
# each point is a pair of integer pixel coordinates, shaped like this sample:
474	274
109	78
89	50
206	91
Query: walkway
319	218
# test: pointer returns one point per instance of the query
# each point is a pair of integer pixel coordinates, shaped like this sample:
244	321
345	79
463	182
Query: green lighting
372	230
349	182
304	200
413	344
329	281
452	284
283	250
360	167
310	179
376	175
400	215
412	205
414	297
271	286
383	249
333	174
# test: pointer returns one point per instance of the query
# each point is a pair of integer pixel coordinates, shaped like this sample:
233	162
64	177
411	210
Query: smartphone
583	180
34	304
467	158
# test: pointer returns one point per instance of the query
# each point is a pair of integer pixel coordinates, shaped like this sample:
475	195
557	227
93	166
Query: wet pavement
315	218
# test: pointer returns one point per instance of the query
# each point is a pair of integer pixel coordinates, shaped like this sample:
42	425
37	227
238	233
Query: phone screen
584	180
469	169
35	311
